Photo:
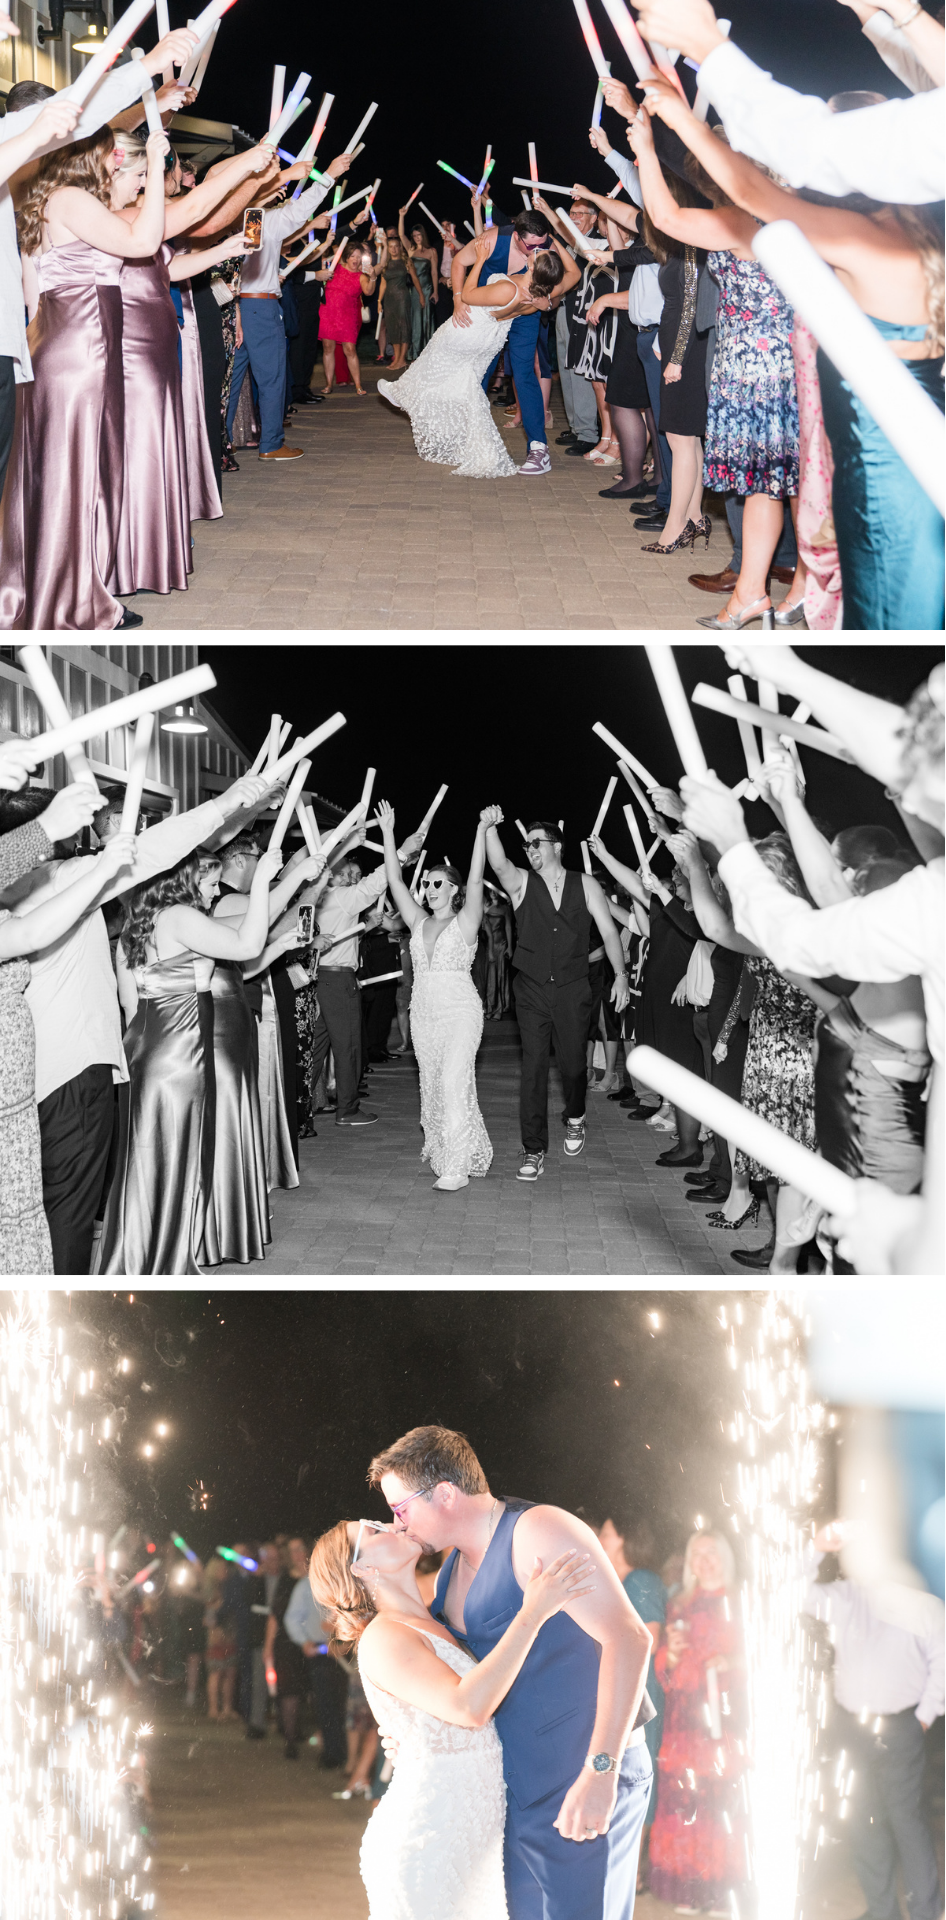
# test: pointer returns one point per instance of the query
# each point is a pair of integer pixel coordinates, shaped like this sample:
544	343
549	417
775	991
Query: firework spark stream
69	1839
775	1434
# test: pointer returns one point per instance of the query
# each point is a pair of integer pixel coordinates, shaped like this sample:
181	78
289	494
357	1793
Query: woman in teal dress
629	1548
890	260
423	259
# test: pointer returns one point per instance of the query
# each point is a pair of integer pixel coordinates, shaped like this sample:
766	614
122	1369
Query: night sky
451	79
512	724
277	1401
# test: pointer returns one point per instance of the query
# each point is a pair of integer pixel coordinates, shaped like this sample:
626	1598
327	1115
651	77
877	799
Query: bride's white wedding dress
446	1029
443	393
433	1848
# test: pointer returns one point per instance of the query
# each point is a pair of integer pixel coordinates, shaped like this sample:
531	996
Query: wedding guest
632	1551
282	1653
221	1653
398	281
581	410
340	319
426	288
236	1226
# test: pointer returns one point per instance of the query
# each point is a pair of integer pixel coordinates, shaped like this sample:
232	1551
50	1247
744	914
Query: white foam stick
213	12
272	744
701	103
652	850
44	685
527	203
719	702
200	55
602	810
342	831
362	194
533	165
518	823
591	40
547	186
424	827
911	421
163	25
640	796
258	762
664	668
288	807
410	202
585	856
137	771
713	1720
359	130
359	927
368	788
287	761
308	149
581	240
757	1137
624	753
298	260
377	978
205	53
149	98
71	733
737	688
113	44
310	832
433	222
473	229
357	150
279	88
768	698
372	847
290	112
418	870
627	32
637	837
379	323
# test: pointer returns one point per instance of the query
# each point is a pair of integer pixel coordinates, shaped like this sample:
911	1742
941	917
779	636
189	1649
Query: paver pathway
361	534
366	1203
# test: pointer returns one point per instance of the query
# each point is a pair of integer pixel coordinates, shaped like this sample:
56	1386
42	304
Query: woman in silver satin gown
236	1226
160	1207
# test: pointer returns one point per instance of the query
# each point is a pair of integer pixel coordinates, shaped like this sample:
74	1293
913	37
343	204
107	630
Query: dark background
277	1401
449	79
512	725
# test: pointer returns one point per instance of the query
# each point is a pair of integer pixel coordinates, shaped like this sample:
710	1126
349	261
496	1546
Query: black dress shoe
642	491
129	619
655	524
706	1196
566	439
580	448
701	1179
760	1259
673	1158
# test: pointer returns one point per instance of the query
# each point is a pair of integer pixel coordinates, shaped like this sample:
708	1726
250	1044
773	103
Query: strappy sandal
598	458
734	622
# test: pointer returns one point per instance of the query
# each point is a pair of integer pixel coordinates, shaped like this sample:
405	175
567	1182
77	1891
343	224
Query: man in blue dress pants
577	1770
510	253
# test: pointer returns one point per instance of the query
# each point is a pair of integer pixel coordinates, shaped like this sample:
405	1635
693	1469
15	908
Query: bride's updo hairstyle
336	1587
440	866
547	271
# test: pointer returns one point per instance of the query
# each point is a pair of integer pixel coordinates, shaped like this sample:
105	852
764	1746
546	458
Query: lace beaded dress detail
447	1027
443	394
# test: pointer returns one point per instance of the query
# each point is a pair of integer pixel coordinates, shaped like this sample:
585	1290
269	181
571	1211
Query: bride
442	392
446	1010
433	1849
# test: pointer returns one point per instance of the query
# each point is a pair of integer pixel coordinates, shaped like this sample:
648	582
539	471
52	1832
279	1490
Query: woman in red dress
698	1840
340	318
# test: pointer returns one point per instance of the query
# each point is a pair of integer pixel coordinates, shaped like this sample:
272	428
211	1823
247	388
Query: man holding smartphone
264	337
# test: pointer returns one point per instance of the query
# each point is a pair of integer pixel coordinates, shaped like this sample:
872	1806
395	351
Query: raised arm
715	923
471	913
223	940
625	876
408	907
510	877
601	914
81	216
30	932
189	209
182	265
723	228
51	128
869	727
821	872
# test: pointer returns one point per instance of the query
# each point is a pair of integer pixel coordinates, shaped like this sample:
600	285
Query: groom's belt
637	1738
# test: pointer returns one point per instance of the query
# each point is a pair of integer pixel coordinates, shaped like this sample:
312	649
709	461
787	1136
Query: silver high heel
786	616
728	623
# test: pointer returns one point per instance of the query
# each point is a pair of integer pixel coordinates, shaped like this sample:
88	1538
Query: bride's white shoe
451	1183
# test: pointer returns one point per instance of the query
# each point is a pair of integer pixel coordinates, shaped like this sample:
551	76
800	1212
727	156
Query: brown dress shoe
784	574
714	582
284	453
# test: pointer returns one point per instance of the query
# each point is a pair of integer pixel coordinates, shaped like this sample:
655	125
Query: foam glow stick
359	927
149	97
424	827
711	1710
134	786
352	820
768	698
239	1559
522	831
435	223
359	130
473	229
314	246
113	44
585	856
139	1578
547	186
667	65
410	202
664	668
737	688
599	100
279	88
377	978
602	810
488	213
533	165
163	25
638	839
337	255
418	870
627	32
310	832
623	753
288	807
44	685
490	164
757	1137
277	772
290	112
183	1548
351	201
335	200
194	69
701	103
527	203
583	241
718	702
374	191
70	733
642	801
368	788
273	739
911	421
457	176
315	136
591	40
204	61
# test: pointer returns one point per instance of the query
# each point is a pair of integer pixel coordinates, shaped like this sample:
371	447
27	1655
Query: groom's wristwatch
602	1763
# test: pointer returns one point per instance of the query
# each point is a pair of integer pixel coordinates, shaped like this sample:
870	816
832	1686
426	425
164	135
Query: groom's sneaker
532	1165
538	458
574	1137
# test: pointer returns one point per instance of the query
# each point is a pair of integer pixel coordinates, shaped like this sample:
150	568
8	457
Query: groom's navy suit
522	342
545	1724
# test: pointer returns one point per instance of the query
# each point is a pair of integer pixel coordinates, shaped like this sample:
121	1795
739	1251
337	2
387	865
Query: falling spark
69	1840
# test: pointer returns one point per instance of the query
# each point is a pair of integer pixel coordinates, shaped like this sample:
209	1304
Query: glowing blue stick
457	176
599	96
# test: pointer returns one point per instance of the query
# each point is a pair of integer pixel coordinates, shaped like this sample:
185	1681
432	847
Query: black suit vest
552	944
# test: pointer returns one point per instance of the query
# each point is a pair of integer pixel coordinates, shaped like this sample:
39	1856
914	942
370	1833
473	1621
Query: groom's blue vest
547	1718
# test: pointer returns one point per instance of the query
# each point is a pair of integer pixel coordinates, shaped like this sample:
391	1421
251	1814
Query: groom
576	1765
510	252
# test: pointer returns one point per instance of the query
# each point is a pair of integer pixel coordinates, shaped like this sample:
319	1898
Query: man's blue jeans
264	352
521	346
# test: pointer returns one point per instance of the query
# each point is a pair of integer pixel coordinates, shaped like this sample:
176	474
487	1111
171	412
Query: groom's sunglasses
398	1511
529	846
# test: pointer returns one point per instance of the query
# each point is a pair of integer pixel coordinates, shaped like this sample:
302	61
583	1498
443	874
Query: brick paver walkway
366	1204
362	535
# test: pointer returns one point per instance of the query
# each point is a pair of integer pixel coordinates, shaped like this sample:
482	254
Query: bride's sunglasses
371	1526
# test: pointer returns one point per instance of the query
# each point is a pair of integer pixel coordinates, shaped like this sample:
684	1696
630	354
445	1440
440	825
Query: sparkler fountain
69	1844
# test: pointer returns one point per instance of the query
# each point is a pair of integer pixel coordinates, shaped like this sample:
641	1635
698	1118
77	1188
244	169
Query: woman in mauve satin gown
160	1206
61	506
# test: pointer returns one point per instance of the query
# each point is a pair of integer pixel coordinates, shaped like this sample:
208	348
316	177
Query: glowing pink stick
410	202
591	40
627	32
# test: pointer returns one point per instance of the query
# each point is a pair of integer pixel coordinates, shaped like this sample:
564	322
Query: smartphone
252	229
305	924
